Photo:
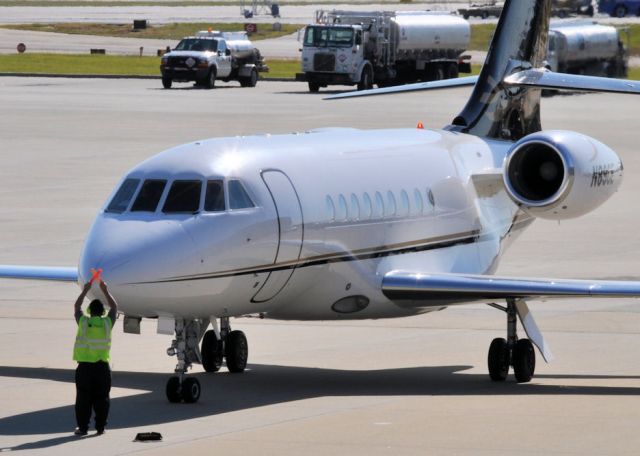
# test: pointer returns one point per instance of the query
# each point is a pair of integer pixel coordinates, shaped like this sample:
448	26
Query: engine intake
559	174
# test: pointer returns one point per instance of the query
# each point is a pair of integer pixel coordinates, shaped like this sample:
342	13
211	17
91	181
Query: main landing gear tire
236	351
498	360
212	352
524	361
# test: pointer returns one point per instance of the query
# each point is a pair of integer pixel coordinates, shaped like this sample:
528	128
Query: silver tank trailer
430	31
237	42
583	42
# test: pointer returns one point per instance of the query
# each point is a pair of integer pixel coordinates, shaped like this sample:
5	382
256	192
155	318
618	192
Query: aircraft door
290	233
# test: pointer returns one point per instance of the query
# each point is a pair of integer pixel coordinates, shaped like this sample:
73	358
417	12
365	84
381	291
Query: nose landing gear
216	346
185	348
511	352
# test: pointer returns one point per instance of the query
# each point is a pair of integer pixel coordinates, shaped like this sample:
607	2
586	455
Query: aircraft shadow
262	385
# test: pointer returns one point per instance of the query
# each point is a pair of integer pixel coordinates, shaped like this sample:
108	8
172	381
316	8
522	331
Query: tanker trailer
385	48
587	48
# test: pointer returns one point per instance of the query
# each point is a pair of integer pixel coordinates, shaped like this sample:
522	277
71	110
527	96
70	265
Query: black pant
93	383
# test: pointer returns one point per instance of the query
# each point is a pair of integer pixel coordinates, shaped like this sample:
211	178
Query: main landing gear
514	352
216	346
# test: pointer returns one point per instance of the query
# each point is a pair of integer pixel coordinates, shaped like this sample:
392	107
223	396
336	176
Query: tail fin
520	43
505	102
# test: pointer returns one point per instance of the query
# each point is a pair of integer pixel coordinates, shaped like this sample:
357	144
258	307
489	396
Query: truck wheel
366	79
484	15
452	71
251	80
314	87
166	83
620	11
466	16
210	81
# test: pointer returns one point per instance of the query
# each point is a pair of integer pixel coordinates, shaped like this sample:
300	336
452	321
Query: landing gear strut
511	352
185	348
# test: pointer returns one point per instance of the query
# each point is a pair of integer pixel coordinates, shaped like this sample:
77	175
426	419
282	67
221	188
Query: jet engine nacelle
560	174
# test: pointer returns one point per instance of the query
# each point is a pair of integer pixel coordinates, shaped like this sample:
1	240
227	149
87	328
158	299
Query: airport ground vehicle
587	48
560	8
483	10
383	47
619	8
212	55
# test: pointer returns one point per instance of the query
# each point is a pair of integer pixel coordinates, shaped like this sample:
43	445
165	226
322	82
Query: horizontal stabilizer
444	84
450	289
59	274
542	78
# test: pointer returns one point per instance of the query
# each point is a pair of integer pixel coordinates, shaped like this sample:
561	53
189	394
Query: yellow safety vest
93	340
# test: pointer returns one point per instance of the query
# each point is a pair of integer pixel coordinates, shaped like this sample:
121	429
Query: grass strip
175	31
122	65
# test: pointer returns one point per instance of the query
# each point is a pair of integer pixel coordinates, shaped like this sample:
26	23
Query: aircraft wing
59	274
450	289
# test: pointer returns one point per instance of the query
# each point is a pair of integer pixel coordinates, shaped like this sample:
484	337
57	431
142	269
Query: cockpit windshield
123	196
328	36
184	196
197	44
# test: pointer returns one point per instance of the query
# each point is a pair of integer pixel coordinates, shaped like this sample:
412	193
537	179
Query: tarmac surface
402	387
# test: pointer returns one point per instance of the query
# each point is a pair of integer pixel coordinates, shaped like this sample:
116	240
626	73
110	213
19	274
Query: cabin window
331	208
419	204
123	196
342	208
355	207
379	206
184	196
432	199
214	196
149	196
238	196
404	203
391	204
367	208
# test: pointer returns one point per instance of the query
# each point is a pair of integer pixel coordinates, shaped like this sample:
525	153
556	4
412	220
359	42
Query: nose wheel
511	352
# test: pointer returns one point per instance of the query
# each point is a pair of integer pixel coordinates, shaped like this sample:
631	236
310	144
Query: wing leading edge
448	289
58	274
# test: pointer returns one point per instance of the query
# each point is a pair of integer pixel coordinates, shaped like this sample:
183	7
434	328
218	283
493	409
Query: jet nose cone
131	251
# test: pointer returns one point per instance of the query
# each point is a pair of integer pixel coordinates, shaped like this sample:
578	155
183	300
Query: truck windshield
328	37
197	44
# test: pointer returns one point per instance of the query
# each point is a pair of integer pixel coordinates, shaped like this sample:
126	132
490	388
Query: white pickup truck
212	55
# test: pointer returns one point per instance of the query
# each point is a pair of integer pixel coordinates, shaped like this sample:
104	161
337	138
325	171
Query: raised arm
83	293
110	300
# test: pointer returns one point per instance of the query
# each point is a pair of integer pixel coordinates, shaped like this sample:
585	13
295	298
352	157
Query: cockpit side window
149	196
184	196
123	196
214	198
238	196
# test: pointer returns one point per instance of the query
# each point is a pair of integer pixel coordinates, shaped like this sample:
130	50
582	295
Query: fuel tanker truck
586	47
212	55
383	47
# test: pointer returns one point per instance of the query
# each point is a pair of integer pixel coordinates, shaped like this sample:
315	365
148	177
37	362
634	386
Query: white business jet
355	224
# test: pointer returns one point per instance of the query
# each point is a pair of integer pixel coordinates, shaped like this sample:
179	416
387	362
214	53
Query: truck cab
335	54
